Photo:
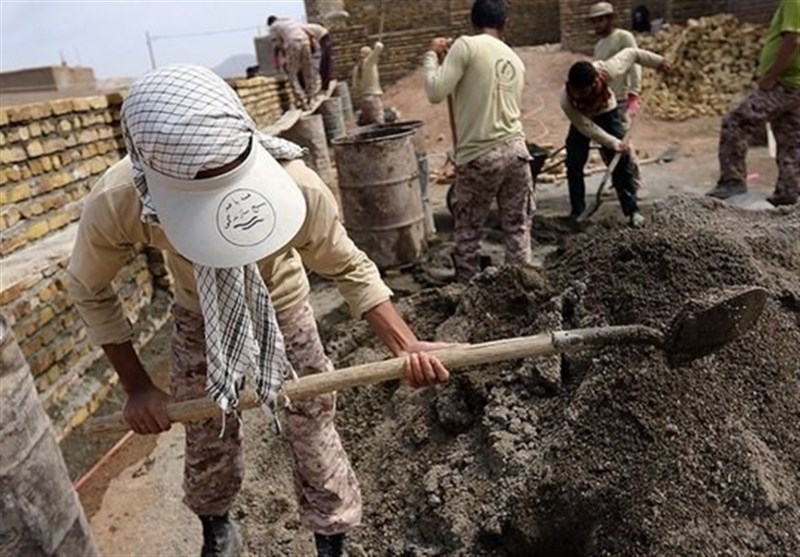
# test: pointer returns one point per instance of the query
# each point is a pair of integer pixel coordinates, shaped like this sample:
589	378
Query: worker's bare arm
145	408
422	367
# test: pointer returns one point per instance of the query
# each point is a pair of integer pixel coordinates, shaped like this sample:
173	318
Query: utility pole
150	49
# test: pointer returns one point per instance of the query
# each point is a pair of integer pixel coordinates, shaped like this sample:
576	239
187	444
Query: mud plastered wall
52	153
409	26
577	34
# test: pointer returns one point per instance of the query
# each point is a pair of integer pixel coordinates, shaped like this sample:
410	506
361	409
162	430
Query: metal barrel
380	195
343	92
332	118
418	139
40	509
309	132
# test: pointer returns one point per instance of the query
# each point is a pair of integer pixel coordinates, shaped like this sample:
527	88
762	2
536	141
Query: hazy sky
110	35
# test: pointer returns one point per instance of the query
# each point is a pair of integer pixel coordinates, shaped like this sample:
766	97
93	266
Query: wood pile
718	62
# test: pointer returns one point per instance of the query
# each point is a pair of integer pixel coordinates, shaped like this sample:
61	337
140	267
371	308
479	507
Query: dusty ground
436	496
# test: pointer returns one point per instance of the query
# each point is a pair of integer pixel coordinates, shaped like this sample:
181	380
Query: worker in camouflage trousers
777	101
239	216
485	78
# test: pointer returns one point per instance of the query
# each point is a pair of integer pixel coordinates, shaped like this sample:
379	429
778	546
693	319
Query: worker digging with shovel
627	89
202	184
594	114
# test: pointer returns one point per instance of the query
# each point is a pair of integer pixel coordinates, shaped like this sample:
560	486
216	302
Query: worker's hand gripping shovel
698	330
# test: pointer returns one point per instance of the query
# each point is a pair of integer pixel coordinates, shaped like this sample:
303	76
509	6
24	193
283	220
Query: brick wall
52	153
577	34
265	98
408	27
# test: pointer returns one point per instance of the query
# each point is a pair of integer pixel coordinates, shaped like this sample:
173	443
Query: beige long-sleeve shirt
610	46
287	30
611	69
315	30
111	226
486	79
366	78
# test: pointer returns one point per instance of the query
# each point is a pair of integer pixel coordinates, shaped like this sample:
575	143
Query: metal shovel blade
704	326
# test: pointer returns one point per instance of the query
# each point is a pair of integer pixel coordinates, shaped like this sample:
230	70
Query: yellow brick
36	230
47	164
2	139
61	106
80	105
15	193
48	126
55	180
3	116
35	129
11	216
12	173
19	113
57	221
35	148
98	102
54	145
64	126
12	154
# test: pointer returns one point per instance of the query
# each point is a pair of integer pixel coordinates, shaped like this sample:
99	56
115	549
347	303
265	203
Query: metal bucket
381	196
309	132
343	92
41	512
332	118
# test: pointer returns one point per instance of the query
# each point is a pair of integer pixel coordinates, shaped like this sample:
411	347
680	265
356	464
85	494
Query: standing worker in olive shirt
367	85
592	110
626	89
201	183
777	101
486	79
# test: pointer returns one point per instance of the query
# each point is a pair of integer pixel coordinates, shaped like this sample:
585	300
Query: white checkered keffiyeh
179	120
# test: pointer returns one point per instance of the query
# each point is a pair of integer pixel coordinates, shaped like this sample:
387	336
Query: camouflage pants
298	61
503	173
326	487
371	110
780	107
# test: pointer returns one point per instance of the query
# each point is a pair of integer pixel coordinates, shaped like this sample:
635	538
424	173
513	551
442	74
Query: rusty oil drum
381	195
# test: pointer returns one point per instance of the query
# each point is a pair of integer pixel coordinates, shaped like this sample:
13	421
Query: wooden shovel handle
454	359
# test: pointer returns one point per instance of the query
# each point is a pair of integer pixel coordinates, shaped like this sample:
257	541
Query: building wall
408	27
48	78
577	35
52	153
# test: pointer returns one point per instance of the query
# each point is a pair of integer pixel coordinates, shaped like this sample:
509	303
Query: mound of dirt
608	452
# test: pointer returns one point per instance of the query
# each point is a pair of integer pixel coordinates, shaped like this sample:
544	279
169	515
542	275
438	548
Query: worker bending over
594	114
238	215
321	42
486	79
295	44
777	101
367	85
626	89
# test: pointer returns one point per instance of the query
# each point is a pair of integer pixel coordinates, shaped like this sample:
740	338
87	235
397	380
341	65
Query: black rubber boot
330	546
220	537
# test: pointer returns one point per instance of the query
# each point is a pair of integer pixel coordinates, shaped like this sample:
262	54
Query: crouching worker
594	114
238	214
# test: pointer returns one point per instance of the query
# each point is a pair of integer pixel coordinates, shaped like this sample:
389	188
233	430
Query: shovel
698	330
